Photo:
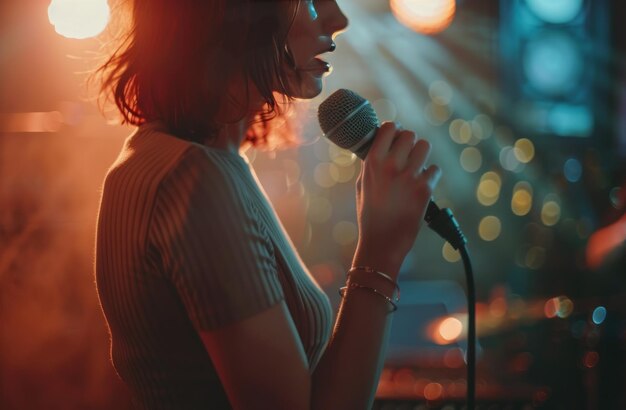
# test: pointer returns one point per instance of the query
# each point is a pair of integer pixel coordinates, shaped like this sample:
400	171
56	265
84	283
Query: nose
336	21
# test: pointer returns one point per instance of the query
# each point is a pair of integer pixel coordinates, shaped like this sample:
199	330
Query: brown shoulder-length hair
173	61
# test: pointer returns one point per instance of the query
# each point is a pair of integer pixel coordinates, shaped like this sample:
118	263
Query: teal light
556	11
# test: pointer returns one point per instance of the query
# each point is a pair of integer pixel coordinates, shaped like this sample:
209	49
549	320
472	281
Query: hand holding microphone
393	189
393	192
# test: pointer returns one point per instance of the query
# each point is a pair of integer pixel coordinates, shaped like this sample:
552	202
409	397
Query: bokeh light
320	210
437	113
509	161
345	232
616	196
450	329
572	169
488	190
553	62
524	150
555	11
460	131
326	174
292	171
449	253
522	199
489	228
535	257
471	159
551	211
560	306
79	19
440	92
340	156
483	123
598	315
424	16
591	359
385	109
433	391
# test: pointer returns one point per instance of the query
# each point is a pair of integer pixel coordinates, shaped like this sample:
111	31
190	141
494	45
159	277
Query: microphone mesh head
345	118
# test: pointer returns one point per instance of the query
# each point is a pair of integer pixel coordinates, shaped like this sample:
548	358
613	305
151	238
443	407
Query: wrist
388	262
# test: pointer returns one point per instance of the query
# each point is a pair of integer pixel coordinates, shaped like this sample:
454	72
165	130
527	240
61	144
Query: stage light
79	19
424	16
555	11
553	63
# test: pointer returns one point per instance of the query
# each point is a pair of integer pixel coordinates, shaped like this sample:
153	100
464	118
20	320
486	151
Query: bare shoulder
261	360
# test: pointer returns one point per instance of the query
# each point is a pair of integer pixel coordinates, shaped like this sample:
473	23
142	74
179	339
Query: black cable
471	328
442	221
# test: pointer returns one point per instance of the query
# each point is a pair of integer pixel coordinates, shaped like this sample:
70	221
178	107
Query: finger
432	175
418	157
383	140
401	148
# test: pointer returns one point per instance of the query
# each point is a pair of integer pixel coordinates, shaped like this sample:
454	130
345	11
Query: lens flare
79	19
424	16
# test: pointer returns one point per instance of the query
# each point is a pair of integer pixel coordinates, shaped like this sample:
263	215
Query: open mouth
318	65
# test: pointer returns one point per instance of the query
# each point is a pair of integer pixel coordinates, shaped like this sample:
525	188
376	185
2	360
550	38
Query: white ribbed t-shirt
187	240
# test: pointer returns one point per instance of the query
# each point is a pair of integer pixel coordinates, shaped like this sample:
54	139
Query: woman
208	304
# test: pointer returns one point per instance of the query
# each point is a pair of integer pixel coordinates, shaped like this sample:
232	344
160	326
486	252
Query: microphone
349	121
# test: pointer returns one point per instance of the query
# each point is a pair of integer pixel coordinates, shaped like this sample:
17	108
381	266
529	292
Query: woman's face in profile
311	34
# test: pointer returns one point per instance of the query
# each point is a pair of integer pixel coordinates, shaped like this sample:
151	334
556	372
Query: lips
317	64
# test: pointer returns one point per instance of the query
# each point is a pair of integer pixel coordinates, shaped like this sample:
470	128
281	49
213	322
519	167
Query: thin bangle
384	275
353	285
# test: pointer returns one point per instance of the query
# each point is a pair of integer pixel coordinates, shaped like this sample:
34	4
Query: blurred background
524	102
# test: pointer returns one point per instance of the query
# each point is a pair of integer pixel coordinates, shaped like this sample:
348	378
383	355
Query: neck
230	138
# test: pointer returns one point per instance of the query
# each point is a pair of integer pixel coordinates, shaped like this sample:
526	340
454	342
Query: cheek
302	34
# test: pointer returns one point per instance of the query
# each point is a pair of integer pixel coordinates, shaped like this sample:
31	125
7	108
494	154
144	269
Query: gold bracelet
384	275
353	285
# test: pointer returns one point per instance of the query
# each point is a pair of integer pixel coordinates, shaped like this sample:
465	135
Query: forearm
348	372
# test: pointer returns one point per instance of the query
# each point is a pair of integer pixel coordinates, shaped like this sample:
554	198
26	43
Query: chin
308	88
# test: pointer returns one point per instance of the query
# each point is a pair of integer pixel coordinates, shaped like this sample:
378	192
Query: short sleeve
212	243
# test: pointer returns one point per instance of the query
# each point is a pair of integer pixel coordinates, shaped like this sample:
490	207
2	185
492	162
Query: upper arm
261	362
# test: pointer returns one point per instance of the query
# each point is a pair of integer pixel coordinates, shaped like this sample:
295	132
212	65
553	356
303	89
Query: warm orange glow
79	18
31	122
551	307
433	391
450	329
591	359
424	16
